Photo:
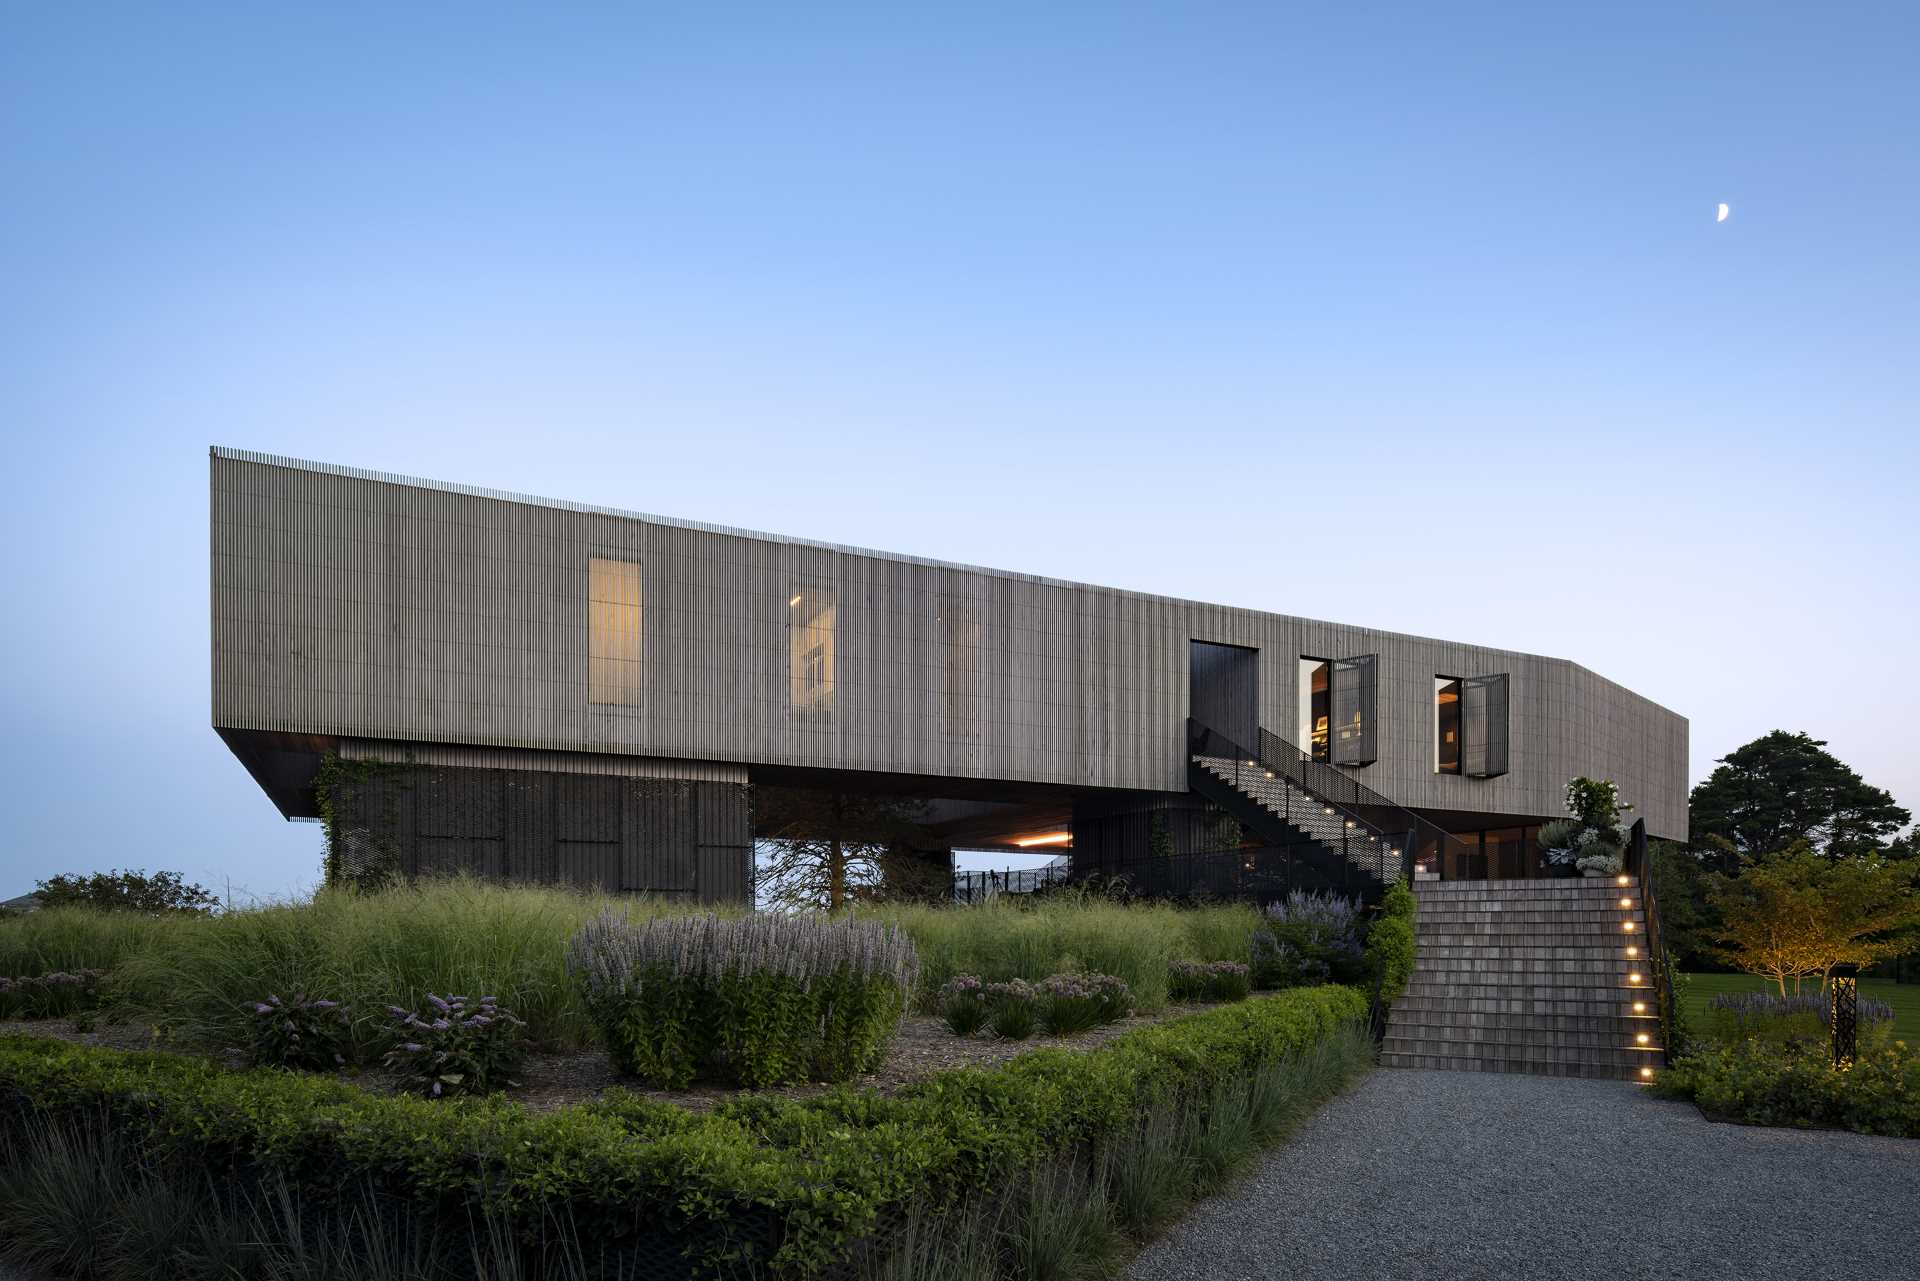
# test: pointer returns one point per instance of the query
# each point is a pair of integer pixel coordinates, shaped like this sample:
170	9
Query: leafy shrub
50	996
761	1185
454	1049
1785	1083
758	1000
1309	938
1012	1009
304	1032
1214	981
1782	1020
1073	1003
1391	945
963	1004
128	891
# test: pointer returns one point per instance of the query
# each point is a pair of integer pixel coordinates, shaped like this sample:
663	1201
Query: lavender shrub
755	1000
1307	939
1776	1019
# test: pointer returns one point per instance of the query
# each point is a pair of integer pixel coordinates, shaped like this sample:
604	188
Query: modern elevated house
457	678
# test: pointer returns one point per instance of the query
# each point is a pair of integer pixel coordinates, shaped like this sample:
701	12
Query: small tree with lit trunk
1797	915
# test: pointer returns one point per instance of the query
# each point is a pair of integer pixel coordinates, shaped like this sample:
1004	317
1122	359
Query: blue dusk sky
1408	315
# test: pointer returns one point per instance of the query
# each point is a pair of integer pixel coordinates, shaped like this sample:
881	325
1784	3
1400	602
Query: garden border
789	1186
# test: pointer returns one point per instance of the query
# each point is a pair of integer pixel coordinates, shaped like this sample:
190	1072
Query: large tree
1798	915
1782	788
825	849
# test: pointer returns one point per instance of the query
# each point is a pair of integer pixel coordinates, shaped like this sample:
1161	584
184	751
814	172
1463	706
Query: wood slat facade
350	606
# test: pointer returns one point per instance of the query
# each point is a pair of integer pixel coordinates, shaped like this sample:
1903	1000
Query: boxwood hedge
788	1186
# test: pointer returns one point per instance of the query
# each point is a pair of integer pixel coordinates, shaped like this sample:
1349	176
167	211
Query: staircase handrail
1349	798
1639	863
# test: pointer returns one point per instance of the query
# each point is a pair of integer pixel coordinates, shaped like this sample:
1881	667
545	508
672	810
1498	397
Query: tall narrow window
812	623
1316	706
1446	725
613	632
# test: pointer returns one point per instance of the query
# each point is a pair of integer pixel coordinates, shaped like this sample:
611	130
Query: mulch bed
547	1081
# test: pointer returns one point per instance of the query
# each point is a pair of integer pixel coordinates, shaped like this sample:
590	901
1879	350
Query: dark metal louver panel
1483	717
1355	730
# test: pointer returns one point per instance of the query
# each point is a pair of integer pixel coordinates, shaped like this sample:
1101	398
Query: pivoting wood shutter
1483	726
1355	731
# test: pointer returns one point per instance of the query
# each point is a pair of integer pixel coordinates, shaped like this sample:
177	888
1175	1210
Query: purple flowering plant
1208	981
301	1032
1012	1009
50	996
456	1046
963	1004
1074	1003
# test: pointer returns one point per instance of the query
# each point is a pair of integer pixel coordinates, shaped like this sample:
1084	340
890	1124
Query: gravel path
1439	1175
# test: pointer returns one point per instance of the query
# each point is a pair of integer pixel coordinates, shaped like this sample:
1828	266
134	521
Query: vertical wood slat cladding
674	837
355	605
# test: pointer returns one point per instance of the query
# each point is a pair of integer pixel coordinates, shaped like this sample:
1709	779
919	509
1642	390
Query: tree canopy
824	849
128	891
1782	788
1798	915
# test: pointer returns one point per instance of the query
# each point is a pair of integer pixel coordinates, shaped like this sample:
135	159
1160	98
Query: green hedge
1391	945
783	1184
1797	1085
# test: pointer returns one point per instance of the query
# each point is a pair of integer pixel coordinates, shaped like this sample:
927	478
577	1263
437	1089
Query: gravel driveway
1437	1175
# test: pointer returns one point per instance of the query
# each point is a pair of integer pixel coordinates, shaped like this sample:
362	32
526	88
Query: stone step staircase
1547	976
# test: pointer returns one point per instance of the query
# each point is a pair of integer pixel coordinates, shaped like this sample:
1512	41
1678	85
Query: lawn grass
1903	997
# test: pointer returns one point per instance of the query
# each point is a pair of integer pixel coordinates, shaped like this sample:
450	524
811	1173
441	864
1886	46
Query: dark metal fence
975	887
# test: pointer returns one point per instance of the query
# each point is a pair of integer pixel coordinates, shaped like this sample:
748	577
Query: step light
1646	1074
1627	926
1624	879
1634	977
1641	1038
1639	1007
1633	951
1626	902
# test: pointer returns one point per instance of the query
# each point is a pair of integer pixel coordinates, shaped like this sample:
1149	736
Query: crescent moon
1722	215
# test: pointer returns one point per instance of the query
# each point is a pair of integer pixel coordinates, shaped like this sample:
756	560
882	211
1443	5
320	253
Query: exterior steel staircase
1357	840
1551	977
1293	817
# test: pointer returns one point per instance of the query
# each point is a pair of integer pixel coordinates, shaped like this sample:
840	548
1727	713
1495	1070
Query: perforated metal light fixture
1843	1013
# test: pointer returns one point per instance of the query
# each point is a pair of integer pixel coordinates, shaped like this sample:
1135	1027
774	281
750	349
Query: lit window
1316	706
1446	725
613	632
812	622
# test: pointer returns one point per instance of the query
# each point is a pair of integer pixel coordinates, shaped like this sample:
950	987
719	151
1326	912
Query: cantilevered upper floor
351	607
